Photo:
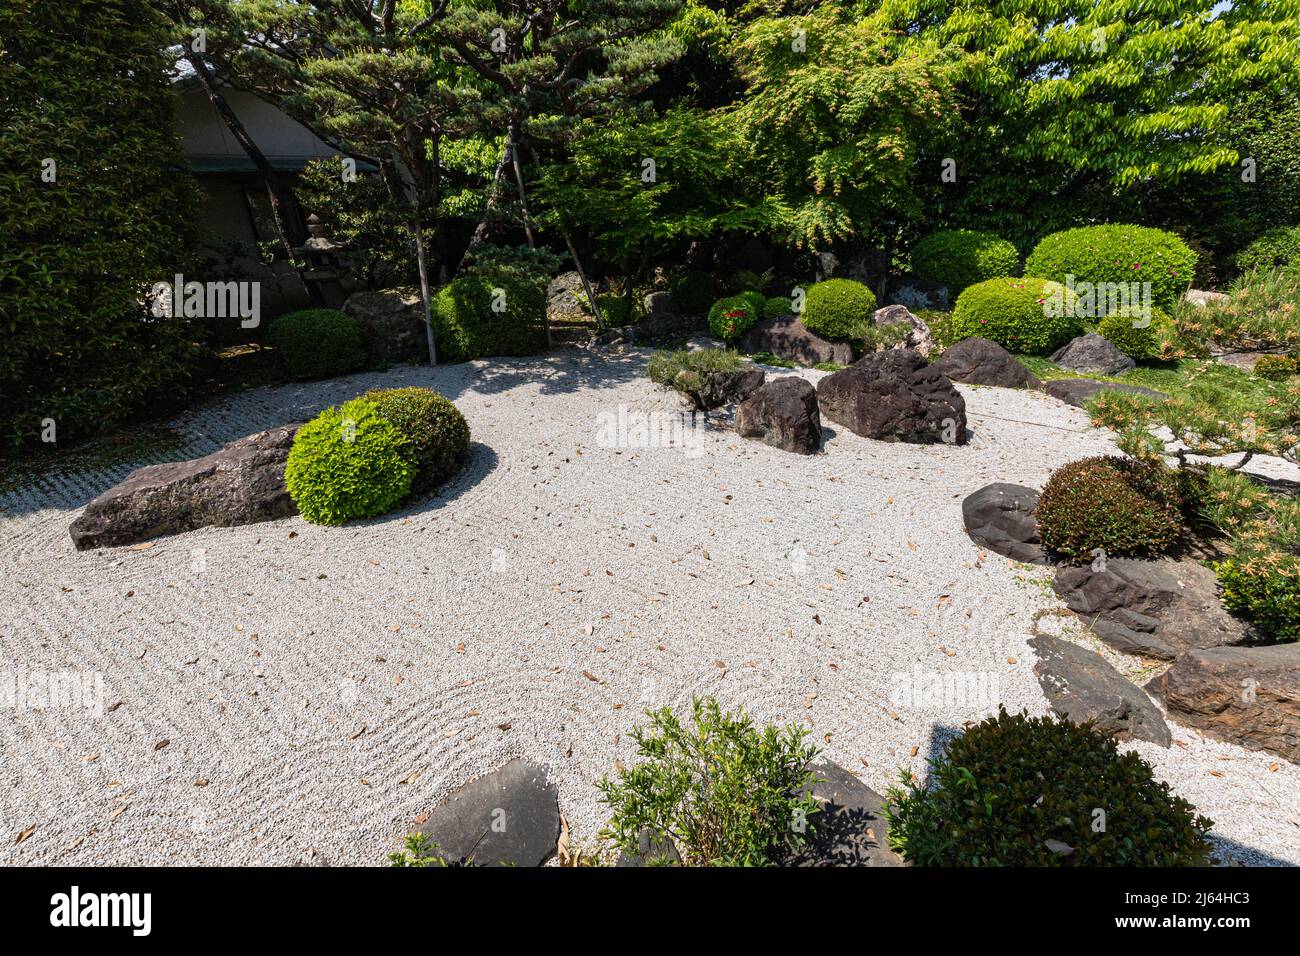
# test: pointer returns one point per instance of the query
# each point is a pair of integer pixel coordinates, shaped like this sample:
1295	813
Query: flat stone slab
1248	696
1159	608
850	830
1003	518
507	818
242	483
1081	686
1077	391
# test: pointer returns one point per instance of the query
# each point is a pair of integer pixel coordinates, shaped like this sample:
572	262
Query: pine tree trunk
424	291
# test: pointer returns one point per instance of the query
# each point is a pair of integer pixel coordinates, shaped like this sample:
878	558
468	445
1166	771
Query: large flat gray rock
243	483
850	830
1003	518
1077	391
1081	686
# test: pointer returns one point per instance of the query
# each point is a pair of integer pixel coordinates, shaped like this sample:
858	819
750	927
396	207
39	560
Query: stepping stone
1077	391
1003	518
1081	686
507	818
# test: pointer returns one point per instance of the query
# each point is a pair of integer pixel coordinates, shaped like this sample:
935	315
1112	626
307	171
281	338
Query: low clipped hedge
435	427
693	291
1026	315
1139	342
617	311
839	309
1117	253
1037	791
467	324
349	462
1122	506
317	343
1262	584
959	258
732	317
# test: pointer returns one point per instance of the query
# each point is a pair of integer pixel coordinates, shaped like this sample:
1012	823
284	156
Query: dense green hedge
1121	506
693	291
1139	342
1027	791
85	85
732	317
467	326
317	343
959	258
349	462
1276	249
839	309
1018	314
435	427
1117	253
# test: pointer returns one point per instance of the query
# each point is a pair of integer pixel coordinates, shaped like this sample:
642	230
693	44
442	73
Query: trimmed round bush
617	311
349	462
693	291
435	427
1139	342
1276	368
1024	791
479	316
1026	315
839	309
1275	249
777	305
1121	506
959	258
732	317
317	343
1117	253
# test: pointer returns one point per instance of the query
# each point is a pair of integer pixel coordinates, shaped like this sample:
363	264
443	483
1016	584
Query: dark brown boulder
1081	687
1245	695
242	483
1156	608
894	396
782	413
788	338
980	361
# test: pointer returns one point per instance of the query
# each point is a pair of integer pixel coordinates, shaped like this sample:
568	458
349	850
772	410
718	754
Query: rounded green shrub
617	311
958	258
732	317
839	309
435	427
1117	253
1024	791
693	291
1120	506
480	316
349	462
777	305
1022	315
317	343
1137	338
1277	368
1275	249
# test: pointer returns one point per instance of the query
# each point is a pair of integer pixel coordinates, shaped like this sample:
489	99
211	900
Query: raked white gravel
317	689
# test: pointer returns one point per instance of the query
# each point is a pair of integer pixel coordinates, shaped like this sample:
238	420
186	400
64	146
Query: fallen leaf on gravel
705	554
421	818
358	732
808	700
113	707
201	782
562	844
75	843
864	761
91	758
590	676
25	834
460	648
1011	660
161	744
409	778
141	547
394	628
118	812
1272	768
589	630
471	713
915	751
365	782
503	726
1216	773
